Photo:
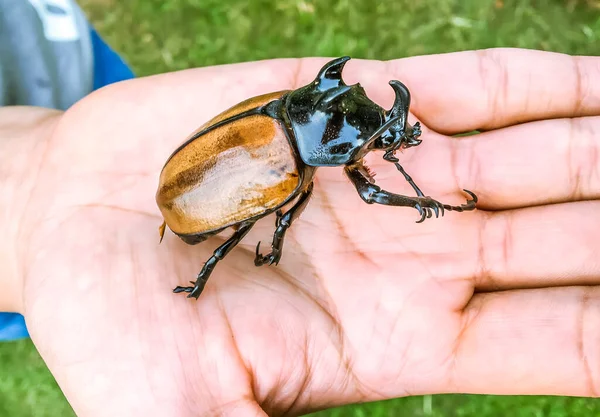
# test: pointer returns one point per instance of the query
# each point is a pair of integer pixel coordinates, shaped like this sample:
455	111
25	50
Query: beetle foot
271	258
194	291
427	207
468	206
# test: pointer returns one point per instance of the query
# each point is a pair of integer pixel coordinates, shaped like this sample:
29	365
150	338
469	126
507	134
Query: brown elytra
249	161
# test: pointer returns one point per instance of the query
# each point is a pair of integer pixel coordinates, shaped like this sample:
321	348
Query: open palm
365	304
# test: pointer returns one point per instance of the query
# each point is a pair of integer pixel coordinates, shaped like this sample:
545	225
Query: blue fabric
12	326
108	68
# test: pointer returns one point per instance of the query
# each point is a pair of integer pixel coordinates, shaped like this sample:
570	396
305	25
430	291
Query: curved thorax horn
330	76
401	105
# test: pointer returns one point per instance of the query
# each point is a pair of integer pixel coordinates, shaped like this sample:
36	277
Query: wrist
24	134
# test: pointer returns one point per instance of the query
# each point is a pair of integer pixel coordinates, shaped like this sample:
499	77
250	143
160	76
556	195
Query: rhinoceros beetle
262	154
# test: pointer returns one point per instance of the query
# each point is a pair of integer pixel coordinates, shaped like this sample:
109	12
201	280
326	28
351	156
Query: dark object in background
261	154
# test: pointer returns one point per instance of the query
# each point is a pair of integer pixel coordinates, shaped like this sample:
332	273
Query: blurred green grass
155	36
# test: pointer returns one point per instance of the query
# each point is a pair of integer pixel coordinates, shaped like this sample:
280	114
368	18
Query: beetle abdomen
229	174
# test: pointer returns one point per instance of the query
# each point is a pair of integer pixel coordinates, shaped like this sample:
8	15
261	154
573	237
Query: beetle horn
331	73
401	104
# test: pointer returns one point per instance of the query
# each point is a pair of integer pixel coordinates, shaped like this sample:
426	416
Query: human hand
365	304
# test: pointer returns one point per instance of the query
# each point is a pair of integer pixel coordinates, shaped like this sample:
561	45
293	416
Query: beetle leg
218	255
283	222
279	215
371	193
390	157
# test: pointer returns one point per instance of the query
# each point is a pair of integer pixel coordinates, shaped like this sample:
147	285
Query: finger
539	342
451	93
485	89
547	246
488	89
555	245
537	163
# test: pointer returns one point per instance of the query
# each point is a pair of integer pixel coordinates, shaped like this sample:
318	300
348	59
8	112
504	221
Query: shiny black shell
332	121
325	123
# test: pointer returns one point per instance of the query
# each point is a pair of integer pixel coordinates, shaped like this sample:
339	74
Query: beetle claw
195	293
183	289
259	259
469	205
274	257
428	207
421	212
258	250
271	258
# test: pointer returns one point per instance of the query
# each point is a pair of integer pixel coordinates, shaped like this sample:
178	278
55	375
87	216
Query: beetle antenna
331	73
401	104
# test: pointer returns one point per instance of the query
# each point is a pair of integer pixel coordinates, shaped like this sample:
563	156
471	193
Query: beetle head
401	134
334	123
390	136
395	139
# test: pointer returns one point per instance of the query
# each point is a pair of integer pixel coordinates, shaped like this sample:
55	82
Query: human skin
365	304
